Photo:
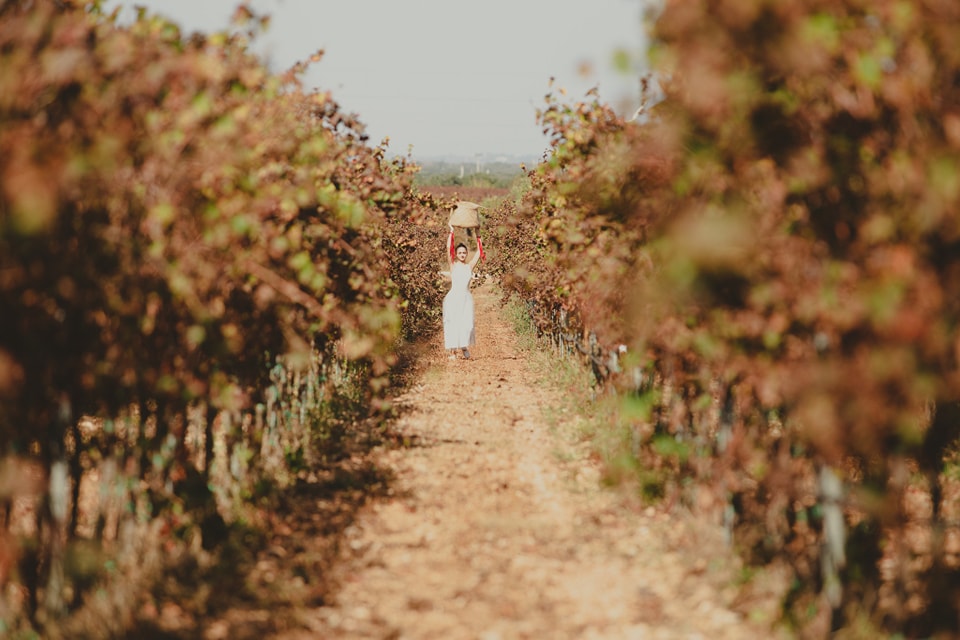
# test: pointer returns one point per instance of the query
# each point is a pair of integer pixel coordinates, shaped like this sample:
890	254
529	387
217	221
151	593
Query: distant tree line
500	175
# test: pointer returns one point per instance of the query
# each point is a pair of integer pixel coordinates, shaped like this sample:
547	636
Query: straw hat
465	214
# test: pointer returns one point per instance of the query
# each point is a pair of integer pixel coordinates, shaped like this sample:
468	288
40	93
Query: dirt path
490	535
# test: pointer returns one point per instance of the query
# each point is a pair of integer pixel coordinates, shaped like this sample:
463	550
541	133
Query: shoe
466	354
453	355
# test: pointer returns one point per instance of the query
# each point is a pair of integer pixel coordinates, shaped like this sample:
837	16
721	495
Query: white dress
458	309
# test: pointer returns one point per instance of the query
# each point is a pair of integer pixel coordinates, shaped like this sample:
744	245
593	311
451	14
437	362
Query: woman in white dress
458	303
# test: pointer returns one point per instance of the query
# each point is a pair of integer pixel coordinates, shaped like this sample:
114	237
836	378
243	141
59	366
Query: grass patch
577	419
591	423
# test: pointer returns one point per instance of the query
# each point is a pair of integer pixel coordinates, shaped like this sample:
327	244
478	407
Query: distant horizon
463	158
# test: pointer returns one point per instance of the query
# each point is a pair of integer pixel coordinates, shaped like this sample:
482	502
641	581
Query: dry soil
498	527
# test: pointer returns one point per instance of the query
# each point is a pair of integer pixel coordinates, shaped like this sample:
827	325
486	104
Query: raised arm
450	255
476	256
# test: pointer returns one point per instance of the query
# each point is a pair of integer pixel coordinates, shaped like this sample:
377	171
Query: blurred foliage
204	274
772	246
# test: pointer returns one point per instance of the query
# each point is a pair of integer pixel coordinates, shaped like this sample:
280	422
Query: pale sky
443	77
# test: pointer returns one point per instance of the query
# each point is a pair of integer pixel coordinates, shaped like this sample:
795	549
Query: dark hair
464	247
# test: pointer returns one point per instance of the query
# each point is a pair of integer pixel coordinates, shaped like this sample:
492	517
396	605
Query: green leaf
670	447
300	261
621	61
820	30
638	408
944	178
196	334
868	70
163	213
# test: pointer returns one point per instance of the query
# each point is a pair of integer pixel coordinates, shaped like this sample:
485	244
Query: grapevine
767	259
